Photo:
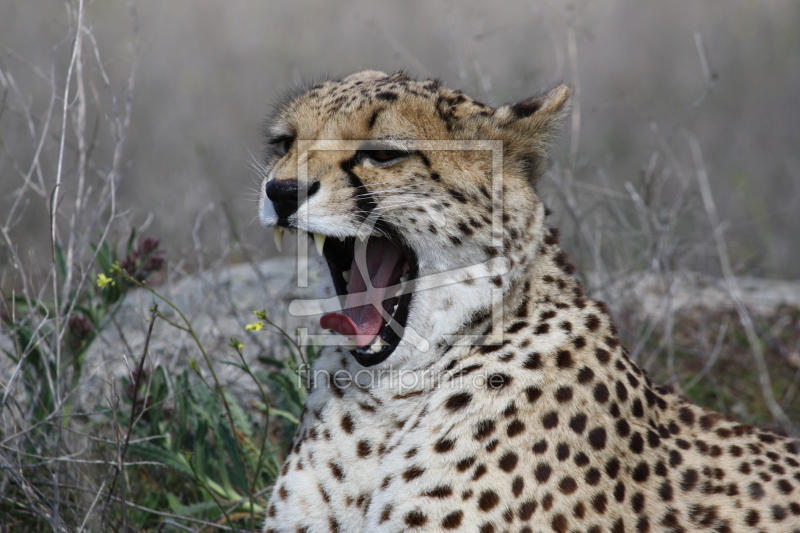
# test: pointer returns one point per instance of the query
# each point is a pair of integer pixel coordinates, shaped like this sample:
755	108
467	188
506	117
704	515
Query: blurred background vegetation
208	73
678	170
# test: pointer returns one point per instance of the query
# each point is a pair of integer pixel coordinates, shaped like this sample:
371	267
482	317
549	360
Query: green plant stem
219	389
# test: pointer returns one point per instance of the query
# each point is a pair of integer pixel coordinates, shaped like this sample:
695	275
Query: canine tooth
278	234
404	278
346	276
399	292
377	345
374	234
319	241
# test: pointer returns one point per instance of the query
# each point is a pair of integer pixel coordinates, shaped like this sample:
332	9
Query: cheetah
476	387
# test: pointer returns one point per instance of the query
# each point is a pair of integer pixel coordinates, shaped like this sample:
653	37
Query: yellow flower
239	346
255	326
103	280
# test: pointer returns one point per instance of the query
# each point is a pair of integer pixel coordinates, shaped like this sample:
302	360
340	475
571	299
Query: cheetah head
413	194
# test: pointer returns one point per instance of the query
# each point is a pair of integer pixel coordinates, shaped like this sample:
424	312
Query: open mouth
373	279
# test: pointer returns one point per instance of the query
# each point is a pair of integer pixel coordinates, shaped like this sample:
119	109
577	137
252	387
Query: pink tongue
361	319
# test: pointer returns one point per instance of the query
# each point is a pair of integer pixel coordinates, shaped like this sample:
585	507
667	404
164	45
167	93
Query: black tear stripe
374	117
363	198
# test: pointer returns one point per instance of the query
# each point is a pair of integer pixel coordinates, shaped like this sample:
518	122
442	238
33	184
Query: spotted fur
544	423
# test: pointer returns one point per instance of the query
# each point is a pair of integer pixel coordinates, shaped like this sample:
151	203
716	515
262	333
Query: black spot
597	438
498	381
464	464
563	394
483	429
458	401
689	479
567	485
619	491
564	359
413	473
542	472
457	195
347	423
466	230
336	470
541	329
526	510
637	443
665	491
416	518
601	393
533	361
637	409
387	95
550	420
622	392
756	491
778	513
441	491
515	428
452	520
488	500
516	326
593	476
602	355
479	472
675	458
585	375
581	459
784	486
654	440
562	452
363	449
578	423
444	445
508	461
612	467
540	447
599	502
533	393
686	416
641	472
559	523
637	502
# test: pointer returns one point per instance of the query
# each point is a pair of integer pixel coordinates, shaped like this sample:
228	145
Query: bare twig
734	290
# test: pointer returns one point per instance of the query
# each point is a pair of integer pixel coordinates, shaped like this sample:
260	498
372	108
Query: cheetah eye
282	145
382	156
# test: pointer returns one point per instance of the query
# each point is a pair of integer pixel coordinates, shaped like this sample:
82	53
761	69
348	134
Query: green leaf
151	452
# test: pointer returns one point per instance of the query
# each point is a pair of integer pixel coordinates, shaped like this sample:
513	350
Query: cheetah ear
545	109
527	128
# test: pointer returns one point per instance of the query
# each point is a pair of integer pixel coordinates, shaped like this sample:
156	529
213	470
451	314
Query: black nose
283	194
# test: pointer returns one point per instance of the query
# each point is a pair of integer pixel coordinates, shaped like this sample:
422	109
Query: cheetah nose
283	194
